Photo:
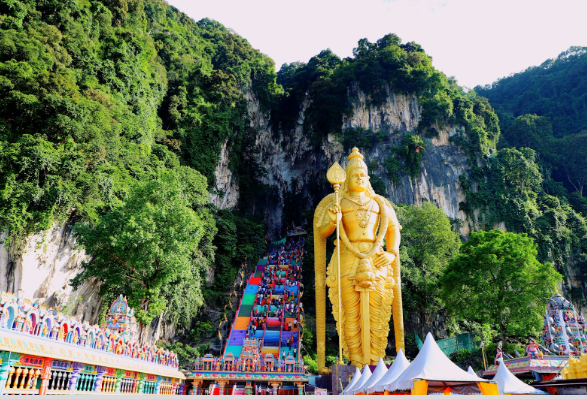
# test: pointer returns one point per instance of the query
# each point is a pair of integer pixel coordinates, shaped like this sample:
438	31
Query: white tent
433	366
353	382
365	375
397	367
507	383
471	371
379	372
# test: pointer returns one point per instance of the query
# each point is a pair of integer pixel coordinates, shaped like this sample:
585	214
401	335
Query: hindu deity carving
370	279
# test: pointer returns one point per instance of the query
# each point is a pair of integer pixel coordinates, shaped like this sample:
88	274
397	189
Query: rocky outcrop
226	193
41	271
295	168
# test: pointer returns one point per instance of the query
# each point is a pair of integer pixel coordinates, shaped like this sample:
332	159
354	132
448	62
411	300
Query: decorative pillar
135	384
197	387
158	385
221	385
275	385
100	370
300	388
45	375
5	368
248	388
77	367
141	386
119	375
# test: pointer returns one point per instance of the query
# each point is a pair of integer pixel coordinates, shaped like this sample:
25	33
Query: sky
476	41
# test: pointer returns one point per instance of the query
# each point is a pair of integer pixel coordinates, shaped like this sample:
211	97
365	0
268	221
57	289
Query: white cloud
477	41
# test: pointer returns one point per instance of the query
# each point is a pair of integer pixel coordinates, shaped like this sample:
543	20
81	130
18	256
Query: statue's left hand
383	259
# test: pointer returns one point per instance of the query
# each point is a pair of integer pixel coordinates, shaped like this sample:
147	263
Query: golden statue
369	276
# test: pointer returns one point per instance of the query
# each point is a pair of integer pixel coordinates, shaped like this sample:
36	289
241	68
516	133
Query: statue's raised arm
369	274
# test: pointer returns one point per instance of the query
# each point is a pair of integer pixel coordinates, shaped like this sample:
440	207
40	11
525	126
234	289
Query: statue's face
358	180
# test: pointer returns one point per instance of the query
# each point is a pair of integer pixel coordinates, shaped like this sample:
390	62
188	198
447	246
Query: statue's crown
355	161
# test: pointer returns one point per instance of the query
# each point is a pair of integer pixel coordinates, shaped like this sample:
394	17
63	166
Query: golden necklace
361	201
363	214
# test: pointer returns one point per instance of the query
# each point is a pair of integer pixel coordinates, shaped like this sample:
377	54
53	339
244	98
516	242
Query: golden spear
336	176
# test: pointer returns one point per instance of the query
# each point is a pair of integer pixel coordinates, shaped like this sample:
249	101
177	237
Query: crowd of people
280	291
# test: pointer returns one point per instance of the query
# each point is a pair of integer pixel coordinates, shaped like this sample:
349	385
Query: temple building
46	352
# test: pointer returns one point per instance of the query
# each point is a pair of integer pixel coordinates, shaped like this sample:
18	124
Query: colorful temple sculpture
46	352
564	329
563	336
262	353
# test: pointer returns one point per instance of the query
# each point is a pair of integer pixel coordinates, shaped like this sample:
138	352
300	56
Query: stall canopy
471	371
507	383
353	382
379	372
432	371
397	367
365	375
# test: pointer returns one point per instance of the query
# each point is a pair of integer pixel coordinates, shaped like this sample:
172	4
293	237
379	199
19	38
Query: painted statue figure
370	276
532	350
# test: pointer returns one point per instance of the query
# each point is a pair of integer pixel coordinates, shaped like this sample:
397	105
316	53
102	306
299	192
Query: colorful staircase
274	338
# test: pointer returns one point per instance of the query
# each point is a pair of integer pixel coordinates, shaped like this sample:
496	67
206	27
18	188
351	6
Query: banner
321	391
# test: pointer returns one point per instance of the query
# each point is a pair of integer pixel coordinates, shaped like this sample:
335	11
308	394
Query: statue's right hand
333	211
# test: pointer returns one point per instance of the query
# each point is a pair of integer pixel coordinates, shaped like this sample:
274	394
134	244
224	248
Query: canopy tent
353	382
379	372
471	371
507	383
397	367
432	371
365	375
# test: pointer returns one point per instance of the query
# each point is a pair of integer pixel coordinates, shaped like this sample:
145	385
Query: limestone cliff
295	167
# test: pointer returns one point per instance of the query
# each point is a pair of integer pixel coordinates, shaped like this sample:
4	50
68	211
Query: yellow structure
576	368
369	276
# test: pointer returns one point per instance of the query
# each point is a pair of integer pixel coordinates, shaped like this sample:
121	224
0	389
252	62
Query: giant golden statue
369	276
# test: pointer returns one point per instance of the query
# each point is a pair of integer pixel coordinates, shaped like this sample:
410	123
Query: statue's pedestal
341	374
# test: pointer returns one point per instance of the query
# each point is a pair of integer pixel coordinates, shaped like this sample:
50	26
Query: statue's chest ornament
363	212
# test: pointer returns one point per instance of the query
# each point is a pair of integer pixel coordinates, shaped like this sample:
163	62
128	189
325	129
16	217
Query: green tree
497	280
574	160
428	244
151	248
411	151
530	131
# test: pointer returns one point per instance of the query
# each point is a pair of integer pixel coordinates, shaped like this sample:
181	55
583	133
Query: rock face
42	270
295	168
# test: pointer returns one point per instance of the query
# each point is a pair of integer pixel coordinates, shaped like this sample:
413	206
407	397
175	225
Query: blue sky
477	41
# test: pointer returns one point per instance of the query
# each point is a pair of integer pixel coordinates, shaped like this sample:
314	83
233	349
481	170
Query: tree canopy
497	280
428	244
155	247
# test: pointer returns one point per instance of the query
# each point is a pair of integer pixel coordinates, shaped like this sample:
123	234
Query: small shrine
121	320
269	361
209	362
229	362
250	354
